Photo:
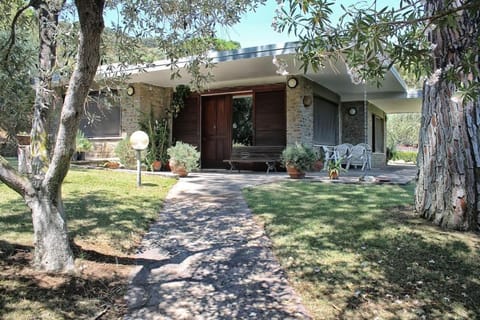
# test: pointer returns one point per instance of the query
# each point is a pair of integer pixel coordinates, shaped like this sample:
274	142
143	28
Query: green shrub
184	155
82	144
125	153
407	156
299	156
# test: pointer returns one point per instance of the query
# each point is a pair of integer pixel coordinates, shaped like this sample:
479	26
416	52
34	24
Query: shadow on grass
381	256
27	294
100	214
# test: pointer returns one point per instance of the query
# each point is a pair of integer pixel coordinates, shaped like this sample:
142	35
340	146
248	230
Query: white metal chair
357	157
368	152
343	151
329	153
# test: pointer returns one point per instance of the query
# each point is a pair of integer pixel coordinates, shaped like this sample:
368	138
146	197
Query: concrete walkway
205	257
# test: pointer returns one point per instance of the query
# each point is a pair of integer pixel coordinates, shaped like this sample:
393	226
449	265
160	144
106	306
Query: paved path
205	258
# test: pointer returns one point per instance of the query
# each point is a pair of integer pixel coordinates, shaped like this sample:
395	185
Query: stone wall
300	107
145	99
299	117
353	126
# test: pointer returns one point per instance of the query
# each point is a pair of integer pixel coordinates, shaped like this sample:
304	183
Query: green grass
107	216
101	206
357	252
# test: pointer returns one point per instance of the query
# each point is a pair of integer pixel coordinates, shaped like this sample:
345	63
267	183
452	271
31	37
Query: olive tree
172	23
439	39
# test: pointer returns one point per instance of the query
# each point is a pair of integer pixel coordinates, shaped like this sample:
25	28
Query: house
259	96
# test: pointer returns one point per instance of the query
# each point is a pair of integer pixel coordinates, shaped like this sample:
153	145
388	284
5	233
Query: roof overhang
254	66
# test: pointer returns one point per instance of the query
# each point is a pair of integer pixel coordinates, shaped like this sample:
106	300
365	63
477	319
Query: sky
255	27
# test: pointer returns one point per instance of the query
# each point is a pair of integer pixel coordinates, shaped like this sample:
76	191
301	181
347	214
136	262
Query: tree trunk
448	185
52	249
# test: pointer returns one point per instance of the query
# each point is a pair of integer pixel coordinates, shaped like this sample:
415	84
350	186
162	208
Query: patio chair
368	151
343	152
357	157
329	153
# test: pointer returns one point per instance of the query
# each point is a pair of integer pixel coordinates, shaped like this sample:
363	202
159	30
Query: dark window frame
324	124
112	116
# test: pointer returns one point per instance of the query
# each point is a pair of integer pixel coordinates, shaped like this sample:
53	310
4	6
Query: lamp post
139	141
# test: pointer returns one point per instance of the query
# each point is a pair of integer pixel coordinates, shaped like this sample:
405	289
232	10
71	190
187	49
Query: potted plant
334	167
297	159
319	162
158	134
23	138
82	145
183	158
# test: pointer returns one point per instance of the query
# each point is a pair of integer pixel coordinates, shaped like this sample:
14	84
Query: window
102	116
325	122
378	134
242	122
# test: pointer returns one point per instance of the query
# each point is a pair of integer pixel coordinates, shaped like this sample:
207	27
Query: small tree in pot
297	159
183	158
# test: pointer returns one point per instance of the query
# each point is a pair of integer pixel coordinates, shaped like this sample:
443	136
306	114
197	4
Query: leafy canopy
371	39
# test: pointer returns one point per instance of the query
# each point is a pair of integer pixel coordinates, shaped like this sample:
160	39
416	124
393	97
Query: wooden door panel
216	130
270	118
186	126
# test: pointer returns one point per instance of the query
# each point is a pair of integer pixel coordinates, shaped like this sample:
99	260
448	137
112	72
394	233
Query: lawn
358	252
107	216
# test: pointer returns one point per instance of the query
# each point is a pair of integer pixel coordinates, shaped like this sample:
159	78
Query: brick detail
353	127
299	117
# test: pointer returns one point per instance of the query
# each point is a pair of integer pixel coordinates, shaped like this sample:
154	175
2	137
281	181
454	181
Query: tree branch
11	39
15	180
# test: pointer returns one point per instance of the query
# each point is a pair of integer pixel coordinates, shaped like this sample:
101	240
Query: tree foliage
372	39
17	69
403	128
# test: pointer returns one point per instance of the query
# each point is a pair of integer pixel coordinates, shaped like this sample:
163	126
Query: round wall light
352	111
292	82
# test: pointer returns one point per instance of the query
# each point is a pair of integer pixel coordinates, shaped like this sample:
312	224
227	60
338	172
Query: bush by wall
407	156
126	154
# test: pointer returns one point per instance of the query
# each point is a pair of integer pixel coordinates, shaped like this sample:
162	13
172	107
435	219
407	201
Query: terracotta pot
156	165
318	165
333	175
181	171
23	139
295	173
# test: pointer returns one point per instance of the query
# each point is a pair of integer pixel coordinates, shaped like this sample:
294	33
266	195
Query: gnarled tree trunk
42	189
52	249
448	186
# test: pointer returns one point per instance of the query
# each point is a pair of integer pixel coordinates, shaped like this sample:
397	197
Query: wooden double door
206	122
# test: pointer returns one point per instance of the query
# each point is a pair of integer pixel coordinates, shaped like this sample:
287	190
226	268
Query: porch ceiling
253	66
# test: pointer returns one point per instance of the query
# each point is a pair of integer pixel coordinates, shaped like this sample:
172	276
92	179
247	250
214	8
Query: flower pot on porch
179	170
23	139
294	173
156	165
318	165
333	174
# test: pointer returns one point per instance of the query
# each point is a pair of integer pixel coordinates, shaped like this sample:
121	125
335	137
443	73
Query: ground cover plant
107	216
358	252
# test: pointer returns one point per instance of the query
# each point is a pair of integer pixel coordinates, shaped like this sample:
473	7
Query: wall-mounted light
130	91
352	111
307	100
292	82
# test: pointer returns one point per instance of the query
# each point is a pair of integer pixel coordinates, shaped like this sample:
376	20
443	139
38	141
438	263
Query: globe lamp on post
139	141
